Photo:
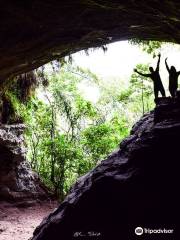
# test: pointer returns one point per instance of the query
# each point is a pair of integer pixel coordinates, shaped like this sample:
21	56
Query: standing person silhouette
173	79
154	75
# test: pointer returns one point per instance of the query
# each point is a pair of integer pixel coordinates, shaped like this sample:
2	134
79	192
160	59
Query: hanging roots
26	84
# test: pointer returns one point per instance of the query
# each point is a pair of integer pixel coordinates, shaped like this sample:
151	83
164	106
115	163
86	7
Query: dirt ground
18	223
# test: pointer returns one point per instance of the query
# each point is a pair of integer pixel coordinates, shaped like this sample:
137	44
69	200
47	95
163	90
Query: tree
142	87
150	47
68	135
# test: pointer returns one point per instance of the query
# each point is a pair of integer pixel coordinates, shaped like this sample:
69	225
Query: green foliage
142	89
151	47
67	135
100	139
17	106
124	95
12	109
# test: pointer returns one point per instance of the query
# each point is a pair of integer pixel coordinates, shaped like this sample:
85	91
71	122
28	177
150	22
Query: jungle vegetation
67	134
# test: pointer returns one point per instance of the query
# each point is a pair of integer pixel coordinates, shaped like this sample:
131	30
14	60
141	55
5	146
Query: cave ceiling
35	32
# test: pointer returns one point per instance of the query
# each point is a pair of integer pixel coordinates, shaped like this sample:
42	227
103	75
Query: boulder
17	180
136	186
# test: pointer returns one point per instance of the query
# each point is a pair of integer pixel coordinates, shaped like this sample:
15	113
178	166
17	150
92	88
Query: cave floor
19	222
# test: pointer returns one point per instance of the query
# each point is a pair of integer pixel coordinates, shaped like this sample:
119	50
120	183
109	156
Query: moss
13	96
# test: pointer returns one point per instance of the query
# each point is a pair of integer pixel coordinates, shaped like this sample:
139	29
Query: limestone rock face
137	185
17	180
33	33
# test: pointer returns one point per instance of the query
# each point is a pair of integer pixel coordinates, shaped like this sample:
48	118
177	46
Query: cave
138	184
36	32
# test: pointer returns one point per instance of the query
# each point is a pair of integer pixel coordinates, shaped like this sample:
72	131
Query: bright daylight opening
88	106
77	112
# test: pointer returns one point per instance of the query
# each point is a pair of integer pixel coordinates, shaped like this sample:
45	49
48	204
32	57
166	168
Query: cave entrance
38	32
78	109
86	105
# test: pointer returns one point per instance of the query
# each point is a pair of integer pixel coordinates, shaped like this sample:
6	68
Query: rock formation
33	33
17	181
137	185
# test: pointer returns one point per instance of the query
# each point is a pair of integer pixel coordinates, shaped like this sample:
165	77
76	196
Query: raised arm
167	67
158	62
142	74
178	73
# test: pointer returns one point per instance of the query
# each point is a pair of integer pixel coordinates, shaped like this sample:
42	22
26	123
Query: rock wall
17	180
137	185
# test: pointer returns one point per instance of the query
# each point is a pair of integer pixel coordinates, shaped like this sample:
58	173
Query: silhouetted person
173	79
154	75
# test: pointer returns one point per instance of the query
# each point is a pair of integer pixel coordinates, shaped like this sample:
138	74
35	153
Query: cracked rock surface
17	181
